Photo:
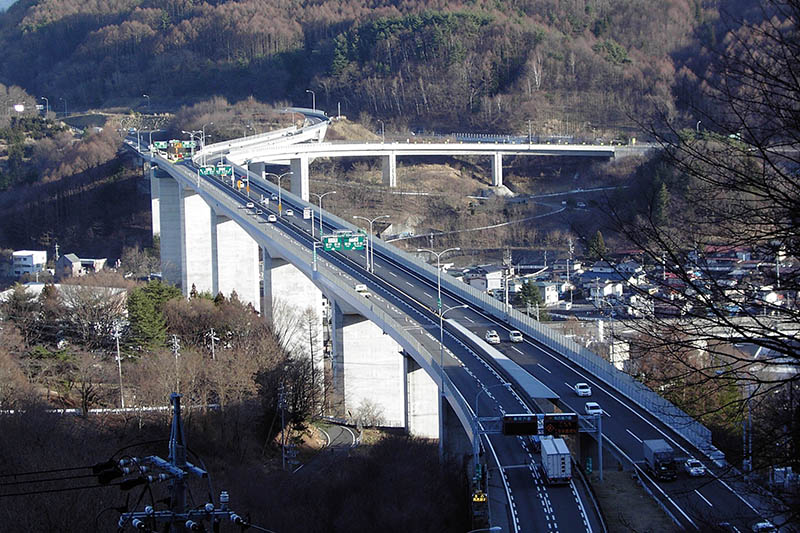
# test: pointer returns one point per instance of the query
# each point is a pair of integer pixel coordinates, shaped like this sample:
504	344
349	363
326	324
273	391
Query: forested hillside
566	66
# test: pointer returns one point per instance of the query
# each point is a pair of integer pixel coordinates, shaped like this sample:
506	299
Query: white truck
556	462
660	459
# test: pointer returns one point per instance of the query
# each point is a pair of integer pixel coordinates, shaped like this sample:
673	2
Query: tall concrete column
155	201
497	169
299	177
235	262
172	229
294	305
389	169
422	400
368	370
197	256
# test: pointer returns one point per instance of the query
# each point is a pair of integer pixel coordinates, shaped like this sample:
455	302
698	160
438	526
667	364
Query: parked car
492	337
694	467
583	389
515	336
272	218
593	408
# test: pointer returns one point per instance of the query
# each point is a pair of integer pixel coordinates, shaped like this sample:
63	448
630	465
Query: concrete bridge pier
368	371
155	200
294	305
497	169
196	243
235	262
299	177
170	197
389	169
422	402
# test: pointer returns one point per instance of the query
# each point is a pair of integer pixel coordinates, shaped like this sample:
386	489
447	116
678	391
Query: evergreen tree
596	248
145	312
531	297
660	204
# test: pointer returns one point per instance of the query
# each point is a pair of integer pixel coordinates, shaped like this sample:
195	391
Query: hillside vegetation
569	67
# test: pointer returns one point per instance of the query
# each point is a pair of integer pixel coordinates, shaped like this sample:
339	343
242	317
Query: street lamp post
280	202
65	105
46	106
383	131
148	102
191	135
441	374
438	271
370	253
313	99
320	196
203	139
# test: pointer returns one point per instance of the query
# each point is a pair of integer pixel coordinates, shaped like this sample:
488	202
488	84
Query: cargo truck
660	459
556	462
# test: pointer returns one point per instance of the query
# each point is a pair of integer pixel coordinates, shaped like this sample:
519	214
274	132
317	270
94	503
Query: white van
362	290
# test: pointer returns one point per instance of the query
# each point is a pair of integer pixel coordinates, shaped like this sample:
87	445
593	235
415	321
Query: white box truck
556	462
660	459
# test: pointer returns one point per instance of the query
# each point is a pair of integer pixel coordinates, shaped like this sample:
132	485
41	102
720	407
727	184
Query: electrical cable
46	480
66	489
52	470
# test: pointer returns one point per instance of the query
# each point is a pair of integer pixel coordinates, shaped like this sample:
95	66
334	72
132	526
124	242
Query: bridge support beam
171	229
155	201
235	262
368	371
497	169
299	178
389	169
196	245
422	402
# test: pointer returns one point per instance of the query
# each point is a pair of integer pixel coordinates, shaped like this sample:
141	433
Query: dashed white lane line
703	498
392	274
409	284
517	350
543	368
428	295
468	319
632	435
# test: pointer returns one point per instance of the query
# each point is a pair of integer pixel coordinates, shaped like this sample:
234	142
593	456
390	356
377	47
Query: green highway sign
224	170
161	145
206	171
346	241
190	144
331	243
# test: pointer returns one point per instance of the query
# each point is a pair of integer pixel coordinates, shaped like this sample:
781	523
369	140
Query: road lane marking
468	319
392	273
632	435
428	295
517	350
409	284
703	498
543	368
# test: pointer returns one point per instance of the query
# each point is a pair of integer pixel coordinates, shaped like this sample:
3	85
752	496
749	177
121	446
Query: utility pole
116	335
212	335
176	346
56	251
509	273
282	406
176	469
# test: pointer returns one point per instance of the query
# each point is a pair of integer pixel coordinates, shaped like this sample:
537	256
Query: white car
593	408
289	213
492	337
515	336
250	205
583	389
694	467
272	218
362	290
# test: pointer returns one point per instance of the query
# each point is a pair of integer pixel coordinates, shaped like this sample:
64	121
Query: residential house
28	261
485	278
71	265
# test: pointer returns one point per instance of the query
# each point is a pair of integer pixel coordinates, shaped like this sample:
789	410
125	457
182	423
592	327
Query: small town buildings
71	265
485	278
28	261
